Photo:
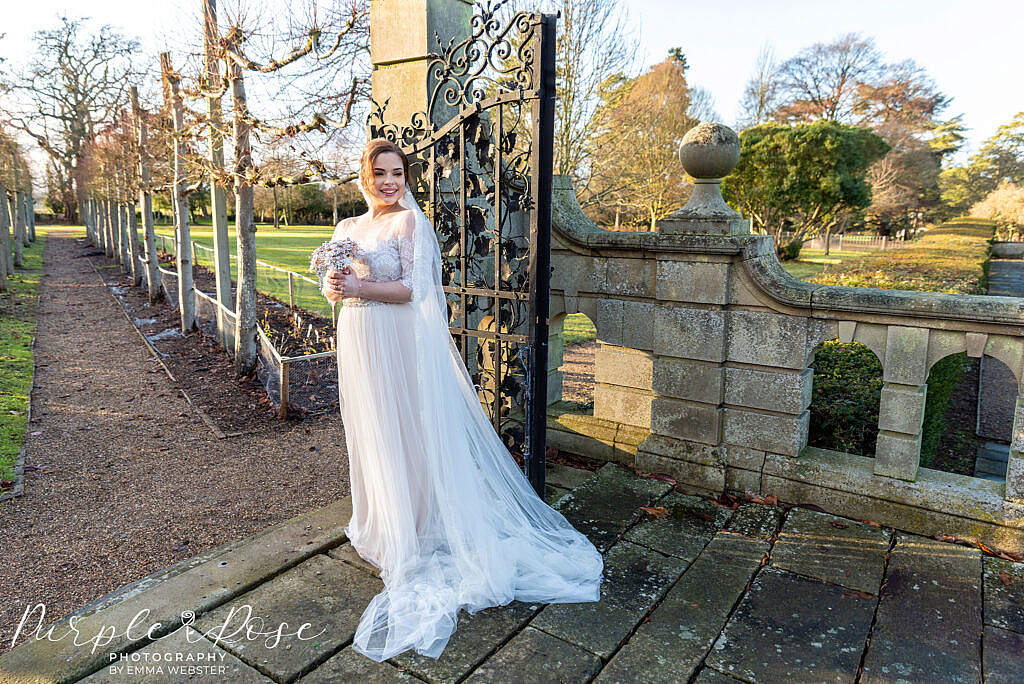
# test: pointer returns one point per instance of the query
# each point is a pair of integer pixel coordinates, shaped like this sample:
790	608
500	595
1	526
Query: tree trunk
153	285
183	248
245	228
334	204
277	213
218	200
14	209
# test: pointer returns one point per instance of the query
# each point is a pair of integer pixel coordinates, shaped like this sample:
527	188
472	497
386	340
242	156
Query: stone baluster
901	411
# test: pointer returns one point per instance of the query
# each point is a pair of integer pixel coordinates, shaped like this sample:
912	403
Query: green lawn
813	261
17	330
287	247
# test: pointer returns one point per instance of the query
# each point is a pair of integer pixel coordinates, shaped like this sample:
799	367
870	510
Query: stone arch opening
571	352
948	431
845	396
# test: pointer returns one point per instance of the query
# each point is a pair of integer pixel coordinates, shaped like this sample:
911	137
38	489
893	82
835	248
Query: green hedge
954	258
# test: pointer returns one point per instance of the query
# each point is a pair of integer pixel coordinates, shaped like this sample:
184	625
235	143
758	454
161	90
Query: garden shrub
790	250
847	389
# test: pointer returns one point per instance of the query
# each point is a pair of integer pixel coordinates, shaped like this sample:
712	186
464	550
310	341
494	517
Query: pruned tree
73	81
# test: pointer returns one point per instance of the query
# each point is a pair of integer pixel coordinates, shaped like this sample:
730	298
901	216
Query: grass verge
18	311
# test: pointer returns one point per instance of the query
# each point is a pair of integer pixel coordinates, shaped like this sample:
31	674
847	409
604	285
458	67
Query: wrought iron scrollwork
478	177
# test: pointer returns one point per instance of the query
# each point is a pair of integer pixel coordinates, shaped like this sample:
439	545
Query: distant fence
850	242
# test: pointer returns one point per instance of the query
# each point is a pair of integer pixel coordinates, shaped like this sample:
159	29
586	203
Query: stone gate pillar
401	41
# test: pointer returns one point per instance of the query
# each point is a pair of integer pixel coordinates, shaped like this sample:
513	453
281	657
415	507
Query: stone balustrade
705	346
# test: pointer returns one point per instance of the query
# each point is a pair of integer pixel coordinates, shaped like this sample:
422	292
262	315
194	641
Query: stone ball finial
709	150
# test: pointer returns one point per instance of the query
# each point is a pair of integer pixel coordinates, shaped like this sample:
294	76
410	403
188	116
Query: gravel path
124	478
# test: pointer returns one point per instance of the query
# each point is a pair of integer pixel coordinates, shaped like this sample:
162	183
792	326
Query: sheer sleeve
405	249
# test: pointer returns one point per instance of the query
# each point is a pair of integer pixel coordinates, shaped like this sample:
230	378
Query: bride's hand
343	284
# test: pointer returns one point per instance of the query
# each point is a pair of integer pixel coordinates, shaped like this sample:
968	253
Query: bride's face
388	178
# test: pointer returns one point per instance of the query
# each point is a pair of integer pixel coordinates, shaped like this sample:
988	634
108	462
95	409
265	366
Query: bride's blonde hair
374	148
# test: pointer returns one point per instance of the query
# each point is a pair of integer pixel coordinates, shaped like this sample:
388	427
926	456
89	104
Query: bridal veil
485	538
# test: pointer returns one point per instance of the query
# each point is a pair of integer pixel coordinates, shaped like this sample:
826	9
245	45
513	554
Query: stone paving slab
793	629
635	578
671	644
1004	656
756	520
199	589
474	639
533	657
347	553
566	477
1004	603
691	523
348	666
327	594
167	660
832	549
606	504
928	627
709	676
552	494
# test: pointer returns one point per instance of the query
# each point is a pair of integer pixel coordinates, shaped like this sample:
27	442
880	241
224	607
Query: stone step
836	550
987	467
327	594
1004	594
994	452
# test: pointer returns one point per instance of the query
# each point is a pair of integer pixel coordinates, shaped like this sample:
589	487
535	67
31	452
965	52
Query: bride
438	503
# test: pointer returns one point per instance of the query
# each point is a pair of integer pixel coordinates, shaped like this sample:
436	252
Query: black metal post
540	247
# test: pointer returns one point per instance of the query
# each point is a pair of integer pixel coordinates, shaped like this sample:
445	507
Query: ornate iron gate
485	178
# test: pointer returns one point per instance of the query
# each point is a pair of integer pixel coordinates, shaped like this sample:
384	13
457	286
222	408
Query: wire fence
304	383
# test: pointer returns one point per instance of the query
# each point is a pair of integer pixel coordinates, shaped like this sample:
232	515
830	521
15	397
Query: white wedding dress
438	503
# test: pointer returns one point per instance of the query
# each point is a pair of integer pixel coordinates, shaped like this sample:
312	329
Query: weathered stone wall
705	346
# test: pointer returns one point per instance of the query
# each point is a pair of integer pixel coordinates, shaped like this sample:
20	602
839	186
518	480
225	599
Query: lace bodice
380	259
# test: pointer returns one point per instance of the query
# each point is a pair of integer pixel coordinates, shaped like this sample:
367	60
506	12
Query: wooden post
183	257
218	195
282	409
291	291
153	284
245	226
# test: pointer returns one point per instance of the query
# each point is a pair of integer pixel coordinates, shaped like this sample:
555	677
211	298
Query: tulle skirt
476	538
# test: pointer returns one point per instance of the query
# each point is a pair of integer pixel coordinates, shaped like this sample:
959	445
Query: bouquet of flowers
333	254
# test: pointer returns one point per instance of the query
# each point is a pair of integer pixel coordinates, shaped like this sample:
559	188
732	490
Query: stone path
123	477
997	389
693	591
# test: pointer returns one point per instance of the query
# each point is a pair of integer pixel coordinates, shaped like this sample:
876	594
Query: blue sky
972	49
